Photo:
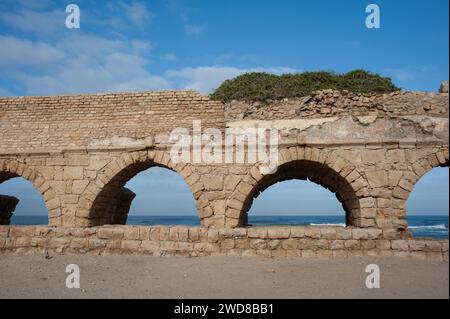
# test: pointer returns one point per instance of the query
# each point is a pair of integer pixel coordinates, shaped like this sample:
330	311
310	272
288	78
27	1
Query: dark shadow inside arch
314	172
427	206
145	194
20	202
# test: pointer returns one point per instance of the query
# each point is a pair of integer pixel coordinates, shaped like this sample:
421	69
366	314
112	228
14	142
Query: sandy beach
34	276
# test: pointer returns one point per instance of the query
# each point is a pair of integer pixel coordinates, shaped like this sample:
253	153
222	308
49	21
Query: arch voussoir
321	166
418	169
106	200
15	168
403	185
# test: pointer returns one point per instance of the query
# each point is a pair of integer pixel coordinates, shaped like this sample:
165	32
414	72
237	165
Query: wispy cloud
407	74
240	58
30	19
35	4
185	15
193	29
179	9
141	47
137	13
170	57
35	22
207	78
80	63
202	79
401	74
17	53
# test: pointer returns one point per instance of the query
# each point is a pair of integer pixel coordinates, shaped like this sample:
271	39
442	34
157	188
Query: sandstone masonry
79	151
278	241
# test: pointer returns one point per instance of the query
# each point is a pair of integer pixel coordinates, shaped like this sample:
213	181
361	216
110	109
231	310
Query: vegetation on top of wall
260	86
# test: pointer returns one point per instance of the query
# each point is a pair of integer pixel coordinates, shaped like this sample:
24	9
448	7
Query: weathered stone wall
329	103
372	182
79	152
56	123
282	241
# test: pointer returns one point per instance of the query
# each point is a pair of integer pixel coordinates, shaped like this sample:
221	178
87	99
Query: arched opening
428	205
20	202
296	202
162	198
113	202
315	172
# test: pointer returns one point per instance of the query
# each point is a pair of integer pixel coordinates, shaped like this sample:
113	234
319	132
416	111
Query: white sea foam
328	224
429	227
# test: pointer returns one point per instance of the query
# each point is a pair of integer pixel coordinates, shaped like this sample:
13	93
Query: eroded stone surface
79	151
185	241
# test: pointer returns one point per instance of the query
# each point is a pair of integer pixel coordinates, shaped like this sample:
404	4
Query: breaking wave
327	224
430	227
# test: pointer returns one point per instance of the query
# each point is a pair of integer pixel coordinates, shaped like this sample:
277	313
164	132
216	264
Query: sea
420	225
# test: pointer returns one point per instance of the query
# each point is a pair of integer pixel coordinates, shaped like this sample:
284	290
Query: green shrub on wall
259	86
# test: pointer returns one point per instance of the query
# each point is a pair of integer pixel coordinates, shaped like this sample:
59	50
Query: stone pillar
244	219
444	87
7	206
122	208
113	208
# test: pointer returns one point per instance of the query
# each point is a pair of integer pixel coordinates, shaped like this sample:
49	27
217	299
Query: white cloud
91	45
29	21
24	53
140	47
118	72
80	63
208	78
203	79
137	13
85	63
117	16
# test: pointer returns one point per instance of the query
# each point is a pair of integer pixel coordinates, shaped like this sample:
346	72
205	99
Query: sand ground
34	276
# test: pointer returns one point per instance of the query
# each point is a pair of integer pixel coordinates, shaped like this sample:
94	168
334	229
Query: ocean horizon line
421	225
256	215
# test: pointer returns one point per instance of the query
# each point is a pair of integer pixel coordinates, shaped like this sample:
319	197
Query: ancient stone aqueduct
80	150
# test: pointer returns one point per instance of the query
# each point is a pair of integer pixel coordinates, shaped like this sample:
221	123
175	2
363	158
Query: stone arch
106	200
12	168
325	168
415	171
419	168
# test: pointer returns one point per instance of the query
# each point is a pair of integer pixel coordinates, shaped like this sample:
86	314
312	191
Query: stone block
279	232
72	173
258	232
110	233
400	244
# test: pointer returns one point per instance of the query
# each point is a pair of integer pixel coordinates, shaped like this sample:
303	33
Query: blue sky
142	45
148	45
